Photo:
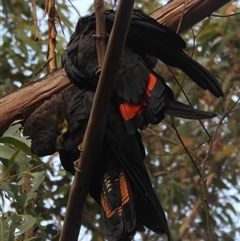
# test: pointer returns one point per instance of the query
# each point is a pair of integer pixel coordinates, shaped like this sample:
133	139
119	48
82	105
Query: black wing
122	156
129	150
146	35
142	95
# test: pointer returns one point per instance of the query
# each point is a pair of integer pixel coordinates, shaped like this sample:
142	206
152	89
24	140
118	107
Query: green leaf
11	140
231	207
28	222
17	142
62	173
7	226
13	157
6	152
12	130
21	179
38	178
5	188
19	199
41	228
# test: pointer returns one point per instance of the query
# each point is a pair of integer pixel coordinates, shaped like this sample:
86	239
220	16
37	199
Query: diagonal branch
194	11
96	124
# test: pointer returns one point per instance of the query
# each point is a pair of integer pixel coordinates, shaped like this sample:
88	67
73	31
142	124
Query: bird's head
46	128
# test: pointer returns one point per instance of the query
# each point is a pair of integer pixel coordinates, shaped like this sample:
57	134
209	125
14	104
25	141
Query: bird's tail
149	212
117	203
179	109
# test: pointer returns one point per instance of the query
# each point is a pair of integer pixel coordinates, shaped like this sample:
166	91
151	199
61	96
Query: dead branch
194	11
35	21
52	35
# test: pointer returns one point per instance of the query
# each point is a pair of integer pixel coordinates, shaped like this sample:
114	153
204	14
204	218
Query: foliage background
34	191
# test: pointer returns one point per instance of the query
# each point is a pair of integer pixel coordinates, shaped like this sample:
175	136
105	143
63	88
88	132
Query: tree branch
35	21
100	30
19	104
96	124
186	222
194	11
51	11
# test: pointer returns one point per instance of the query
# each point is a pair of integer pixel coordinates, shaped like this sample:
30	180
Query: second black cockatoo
120	183
140	92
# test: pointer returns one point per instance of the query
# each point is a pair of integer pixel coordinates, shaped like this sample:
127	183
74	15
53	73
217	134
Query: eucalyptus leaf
4	187
27	222
12	130
38	178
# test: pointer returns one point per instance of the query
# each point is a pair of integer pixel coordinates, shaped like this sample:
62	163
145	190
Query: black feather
147	41
122	156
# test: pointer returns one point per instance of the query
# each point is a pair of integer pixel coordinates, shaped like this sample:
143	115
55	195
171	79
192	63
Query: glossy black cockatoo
142	95
120	183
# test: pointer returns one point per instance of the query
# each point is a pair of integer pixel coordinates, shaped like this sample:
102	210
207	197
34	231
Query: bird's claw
95	36
105	34
80	148
100	37
98	71
75	164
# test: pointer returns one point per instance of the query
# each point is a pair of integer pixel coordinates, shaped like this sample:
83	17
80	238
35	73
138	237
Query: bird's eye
51	128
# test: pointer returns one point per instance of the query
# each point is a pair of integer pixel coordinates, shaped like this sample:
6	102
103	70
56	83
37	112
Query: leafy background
34	192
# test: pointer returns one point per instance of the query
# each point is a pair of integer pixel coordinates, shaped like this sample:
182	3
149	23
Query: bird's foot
105	34
98	71
75	164
80	147
101	37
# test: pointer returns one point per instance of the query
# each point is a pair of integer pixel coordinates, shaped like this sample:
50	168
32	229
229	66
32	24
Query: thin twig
184	227
188	100
181	18
74	8
34	12
174	143
52	34
185	148
166	172
225	16
204	180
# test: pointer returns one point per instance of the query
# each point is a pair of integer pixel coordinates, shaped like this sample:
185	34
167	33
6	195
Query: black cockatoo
142	95
120	183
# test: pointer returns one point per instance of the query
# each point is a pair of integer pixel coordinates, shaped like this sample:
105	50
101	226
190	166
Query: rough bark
183	14
19	104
